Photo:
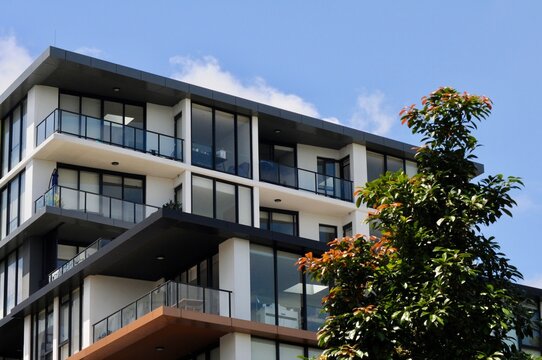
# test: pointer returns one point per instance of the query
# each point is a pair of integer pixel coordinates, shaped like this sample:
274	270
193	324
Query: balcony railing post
229	303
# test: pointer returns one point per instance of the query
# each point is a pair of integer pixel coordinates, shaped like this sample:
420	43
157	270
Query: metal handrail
308	180
77	259
89	202
88	127
170	294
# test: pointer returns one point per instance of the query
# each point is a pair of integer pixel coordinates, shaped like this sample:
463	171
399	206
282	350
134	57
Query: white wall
160	119
38	174
159	190
235	346
234	269
309	224
41	101
307	156
103	295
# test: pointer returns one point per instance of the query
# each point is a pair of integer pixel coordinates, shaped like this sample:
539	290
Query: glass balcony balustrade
92	203
302	179
79	258
109	132
169	294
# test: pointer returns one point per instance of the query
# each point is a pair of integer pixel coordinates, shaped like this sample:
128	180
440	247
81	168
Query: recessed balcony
307	180
111	133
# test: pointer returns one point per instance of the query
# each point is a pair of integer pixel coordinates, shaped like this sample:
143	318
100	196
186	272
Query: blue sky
356	62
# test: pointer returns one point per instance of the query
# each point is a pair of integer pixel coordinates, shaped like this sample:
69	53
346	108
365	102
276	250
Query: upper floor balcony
307	180
109	132
92	203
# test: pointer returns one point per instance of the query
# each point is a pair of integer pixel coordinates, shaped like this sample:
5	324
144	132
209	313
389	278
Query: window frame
270	211
22	107
20	178
385	165
213	166
236	186
334	227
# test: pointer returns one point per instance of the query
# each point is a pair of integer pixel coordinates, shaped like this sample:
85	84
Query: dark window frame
270	211
69	296
22	107
386	155
346	227
334	227
213	145
19	178
4	291
102	172
236	186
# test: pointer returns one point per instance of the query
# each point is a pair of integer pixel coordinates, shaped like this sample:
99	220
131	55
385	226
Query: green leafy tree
432	286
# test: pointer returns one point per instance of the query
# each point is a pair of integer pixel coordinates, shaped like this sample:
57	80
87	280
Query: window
347	230
13	137
69	324
263	349
533	342
327	233
378	164
12	201
281	221
221	200
81	187
280	294
11	282
278	164
124	123
221	141
330	173
43	334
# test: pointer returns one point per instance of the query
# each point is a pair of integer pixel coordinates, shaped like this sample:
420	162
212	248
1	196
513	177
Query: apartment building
146	218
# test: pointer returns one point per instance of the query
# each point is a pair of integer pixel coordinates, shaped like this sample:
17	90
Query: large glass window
221	141
279	221
290	290
13	137
221	200
11	282
12	203
69	322
81	190
378	164
43	334
122	127
273	270
262	284
327	233
277	164
263	349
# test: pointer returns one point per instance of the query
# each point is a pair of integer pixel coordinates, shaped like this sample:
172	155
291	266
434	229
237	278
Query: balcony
111	133
169	294
92	203
307	180
79	258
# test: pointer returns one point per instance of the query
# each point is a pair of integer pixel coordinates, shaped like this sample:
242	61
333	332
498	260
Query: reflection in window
281	221
263	349
284	308
347	230
12	201
327	233
221	141
13	137
221	200
378	164
11	282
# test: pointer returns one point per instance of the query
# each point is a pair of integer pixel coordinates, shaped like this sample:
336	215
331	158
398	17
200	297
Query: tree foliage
432	286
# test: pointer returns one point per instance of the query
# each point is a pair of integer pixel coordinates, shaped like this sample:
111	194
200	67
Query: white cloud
371	114
14	59
207	72
90	51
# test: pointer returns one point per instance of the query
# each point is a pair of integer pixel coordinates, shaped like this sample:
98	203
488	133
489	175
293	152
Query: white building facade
142	217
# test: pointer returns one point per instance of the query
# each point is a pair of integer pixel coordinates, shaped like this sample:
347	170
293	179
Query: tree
432	286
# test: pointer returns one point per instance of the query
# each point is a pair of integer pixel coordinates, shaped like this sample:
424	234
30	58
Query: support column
235	346
234	269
